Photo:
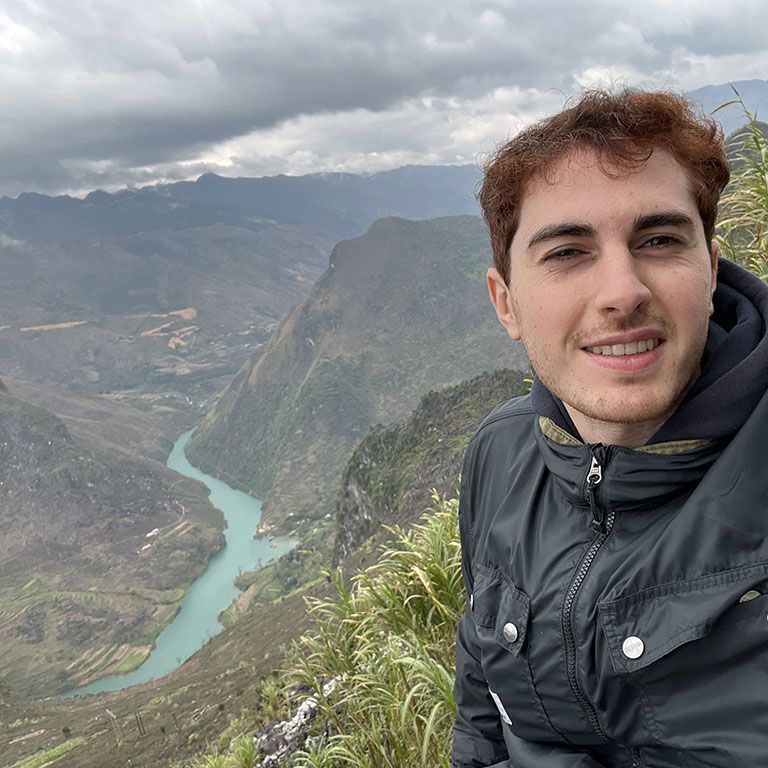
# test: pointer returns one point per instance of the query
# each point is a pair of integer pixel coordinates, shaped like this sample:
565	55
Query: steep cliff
399	311
390	476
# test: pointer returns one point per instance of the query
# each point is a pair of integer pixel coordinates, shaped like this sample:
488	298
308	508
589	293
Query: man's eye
562	254
660	241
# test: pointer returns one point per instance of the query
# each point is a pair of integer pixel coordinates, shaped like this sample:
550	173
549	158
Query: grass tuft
744	206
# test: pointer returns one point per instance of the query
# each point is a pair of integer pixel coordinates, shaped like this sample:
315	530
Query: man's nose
620	286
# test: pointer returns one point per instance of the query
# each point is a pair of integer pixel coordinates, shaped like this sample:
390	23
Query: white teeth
632	348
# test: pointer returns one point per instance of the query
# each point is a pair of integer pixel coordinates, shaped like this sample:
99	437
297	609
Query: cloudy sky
109	93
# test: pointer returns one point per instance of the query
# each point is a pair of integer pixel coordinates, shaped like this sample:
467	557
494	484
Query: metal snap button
751	595
633	647
510	632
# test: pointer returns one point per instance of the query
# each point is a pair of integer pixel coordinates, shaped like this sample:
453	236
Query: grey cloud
116	91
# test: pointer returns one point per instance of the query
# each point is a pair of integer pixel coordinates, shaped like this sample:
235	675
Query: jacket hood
734	366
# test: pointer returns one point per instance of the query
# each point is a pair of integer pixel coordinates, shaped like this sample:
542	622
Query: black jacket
617	607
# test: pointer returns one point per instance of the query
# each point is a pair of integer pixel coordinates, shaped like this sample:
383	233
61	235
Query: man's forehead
581	182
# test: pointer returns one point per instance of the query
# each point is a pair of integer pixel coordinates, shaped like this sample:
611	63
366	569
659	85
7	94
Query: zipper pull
594	477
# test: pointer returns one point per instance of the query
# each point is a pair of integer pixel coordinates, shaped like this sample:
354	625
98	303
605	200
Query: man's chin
627	410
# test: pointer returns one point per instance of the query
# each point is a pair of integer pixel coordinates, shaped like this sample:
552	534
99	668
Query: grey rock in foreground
282	739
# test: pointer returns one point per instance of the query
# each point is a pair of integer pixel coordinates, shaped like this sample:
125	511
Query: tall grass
744	206
389	642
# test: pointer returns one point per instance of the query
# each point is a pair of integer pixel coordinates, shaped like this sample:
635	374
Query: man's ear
714	253
501	299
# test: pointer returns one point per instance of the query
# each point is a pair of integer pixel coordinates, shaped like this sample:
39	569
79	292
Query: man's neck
607	433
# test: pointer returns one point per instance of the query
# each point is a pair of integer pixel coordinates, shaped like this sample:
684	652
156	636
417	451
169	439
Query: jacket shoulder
512	414
506	432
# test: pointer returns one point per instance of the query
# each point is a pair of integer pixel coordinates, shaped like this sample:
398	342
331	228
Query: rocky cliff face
390	477
400	311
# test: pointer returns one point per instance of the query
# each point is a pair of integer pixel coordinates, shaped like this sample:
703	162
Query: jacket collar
722	474
632	480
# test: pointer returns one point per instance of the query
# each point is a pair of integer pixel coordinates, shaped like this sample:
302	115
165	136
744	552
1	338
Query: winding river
196	622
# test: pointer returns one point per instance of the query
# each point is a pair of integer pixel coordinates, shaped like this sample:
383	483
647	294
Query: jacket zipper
602	525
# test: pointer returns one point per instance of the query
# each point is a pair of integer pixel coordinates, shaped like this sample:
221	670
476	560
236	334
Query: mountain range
171	289
120	318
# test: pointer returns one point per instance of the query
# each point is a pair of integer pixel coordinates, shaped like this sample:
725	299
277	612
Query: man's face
610	287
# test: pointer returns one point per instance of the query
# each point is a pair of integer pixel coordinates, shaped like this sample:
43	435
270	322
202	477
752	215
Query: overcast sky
103	93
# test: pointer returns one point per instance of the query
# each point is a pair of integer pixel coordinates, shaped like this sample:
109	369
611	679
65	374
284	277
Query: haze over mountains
172	289
753	92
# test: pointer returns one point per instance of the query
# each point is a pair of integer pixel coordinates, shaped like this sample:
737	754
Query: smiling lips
621	350
629	357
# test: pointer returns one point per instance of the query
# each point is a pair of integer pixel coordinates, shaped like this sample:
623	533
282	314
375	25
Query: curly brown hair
623	128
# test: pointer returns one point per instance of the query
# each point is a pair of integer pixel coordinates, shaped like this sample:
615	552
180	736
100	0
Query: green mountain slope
400	311
391	475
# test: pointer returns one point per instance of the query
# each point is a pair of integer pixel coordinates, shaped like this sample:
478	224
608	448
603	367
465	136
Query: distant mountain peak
210	176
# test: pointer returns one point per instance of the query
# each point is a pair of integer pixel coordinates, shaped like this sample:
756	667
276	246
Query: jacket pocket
696	653
499	609
647	625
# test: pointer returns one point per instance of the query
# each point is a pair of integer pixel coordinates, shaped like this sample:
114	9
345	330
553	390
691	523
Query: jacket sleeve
478	739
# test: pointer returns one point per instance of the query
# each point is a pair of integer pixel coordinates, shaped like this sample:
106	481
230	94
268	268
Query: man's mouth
630	348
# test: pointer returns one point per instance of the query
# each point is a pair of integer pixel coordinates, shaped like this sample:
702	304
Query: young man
615	521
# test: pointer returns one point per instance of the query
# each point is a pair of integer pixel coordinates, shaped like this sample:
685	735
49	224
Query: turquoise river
197	620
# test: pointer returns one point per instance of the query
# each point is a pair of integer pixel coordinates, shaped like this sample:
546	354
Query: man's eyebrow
645	221
664	219
564	229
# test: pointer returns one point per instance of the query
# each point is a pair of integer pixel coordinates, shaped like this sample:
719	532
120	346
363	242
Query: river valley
197	619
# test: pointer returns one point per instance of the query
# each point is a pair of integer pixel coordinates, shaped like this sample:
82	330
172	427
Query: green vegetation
388	477
132	661
389	642
387	480
744	206
45	758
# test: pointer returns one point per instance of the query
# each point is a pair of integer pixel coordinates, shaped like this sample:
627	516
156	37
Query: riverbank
196	620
